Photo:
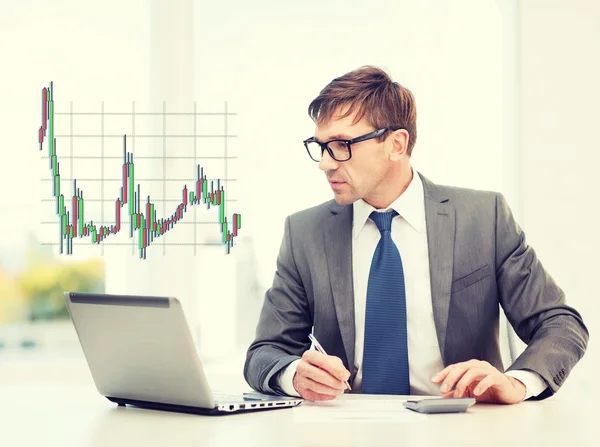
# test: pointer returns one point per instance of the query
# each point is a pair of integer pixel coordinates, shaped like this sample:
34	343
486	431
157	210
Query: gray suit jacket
479	260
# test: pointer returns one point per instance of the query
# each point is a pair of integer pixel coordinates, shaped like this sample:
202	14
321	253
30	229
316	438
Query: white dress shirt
409	233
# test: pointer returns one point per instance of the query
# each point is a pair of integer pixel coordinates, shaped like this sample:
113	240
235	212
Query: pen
322	351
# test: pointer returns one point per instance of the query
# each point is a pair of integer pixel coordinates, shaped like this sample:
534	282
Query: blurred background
506	93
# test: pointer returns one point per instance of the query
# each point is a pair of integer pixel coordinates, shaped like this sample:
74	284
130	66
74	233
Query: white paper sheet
355	410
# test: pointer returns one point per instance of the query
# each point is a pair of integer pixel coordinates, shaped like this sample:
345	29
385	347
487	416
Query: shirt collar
410	205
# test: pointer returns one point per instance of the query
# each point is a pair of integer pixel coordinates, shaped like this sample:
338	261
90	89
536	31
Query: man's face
358	177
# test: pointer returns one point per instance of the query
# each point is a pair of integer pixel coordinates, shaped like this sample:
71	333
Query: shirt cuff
286	379
534	384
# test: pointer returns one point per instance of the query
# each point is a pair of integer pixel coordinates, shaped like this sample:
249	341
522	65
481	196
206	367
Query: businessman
400	279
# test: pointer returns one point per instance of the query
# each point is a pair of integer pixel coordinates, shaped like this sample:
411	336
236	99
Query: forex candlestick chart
144	225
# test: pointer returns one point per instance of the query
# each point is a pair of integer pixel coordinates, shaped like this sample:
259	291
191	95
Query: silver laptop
140	352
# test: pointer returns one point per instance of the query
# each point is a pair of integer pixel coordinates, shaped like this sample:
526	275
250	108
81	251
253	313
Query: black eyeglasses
339	150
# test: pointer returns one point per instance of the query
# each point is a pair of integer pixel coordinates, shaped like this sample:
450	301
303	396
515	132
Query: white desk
47	405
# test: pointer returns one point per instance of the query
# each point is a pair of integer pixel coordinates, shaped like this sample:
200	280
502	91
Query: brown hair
374	95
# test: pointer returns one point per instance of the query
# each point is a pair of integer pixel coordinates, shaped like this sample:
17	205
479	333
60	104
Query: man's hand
480	380
319	376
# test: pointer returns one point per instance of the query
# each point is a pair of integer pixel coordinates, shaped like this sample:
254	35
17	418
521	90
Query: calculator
440	405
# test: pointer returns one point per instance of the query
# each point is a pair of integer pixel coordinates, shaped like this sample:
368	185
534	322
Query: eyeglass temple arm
375	134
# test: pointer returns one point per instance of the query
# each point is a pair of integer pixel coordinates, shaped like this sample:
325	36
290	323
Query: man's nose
327	163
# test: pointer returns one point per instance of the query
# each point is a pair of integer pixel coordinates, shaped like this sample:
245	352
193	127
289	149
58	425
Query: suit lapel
440	220
338	250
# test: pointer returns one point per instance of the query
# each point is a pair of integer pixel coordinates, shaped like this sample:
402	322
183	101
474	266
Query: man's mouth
336	185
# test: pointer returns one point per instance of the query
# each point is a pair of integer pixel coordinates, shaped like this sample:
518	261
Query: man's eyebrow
339	136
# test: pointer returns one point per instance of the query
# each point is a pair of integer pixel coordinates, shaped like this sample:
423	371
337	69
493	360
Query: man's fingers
468	378
309	384
458	370
311	395
309	371
442	374
439	377
333	365
483	386
453	376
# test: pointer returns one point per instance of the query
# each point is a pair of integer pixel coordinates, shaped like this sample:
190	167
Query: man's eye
338	146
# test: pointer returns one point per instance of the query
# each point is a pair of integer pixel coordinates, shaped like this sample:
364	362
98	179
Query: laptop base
185	408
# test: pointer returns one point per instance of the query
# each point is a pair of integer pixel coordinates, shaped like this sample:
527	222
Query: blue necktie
385	356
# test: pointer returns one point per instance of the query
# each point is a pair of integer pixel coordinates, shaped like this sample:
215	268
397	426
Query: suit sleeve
554	332
283	326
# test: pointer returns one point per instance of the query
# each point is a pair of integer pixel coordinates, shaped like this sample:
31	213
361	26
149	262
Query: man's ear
399	140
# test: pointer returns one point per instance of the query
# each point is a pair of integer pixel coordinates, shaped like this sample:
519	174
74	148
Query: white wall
278	56
560	150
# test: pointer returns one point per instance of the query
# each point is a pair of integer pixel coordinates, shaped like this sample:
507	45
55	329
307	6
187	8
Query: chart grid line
143	136
150	113
164	144
148	157
111	201
195	158
225	143
182	244
142	179
110	222
133	138
71	139
101	169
